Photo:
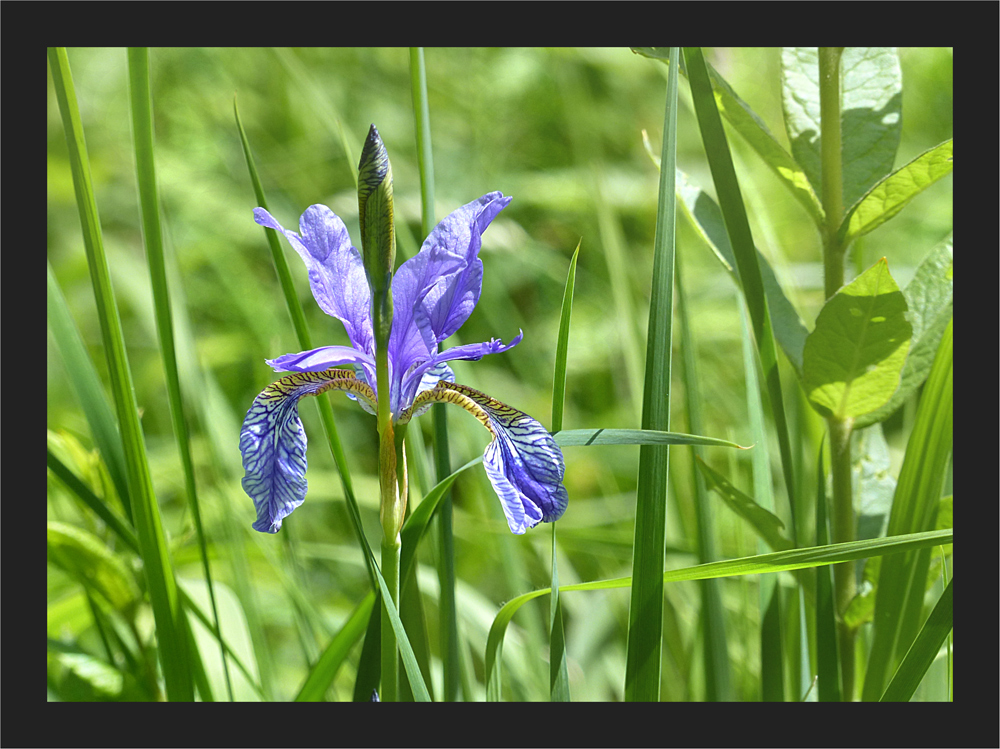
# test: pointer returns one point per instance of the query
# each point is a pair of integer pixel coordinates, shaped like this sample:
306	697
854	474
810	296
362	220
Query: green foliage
129	611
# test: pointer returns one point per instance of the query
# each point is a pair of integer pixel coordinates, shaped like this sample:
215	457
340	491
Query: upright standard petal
273	442
336	271
523	462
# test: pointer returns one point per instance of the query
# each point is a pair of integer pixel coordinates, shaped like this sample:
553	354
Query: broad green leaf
853	359
871	107
749	125
923	651
767	525
789	330
929	300
889	196
86	559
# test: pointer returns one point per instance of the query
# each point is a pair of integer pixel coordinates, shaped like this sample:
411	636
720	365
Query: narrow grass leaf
715	648
558	674
902	579
781	561
89	391
738	230
827	659
141	107
588	437
922	652
323	673
765	524
159	572
645	622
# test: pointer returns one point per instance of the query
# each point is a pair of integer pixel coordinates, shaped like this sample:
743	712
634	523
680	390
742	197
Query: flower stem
390	657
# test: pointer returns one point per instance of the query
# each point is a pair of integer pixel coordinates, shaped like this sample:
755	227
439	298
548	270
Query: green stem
843	525
390	658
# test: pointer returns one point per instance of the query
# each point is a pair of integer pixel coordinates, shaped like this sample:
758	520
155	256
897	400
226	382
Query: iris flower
433	293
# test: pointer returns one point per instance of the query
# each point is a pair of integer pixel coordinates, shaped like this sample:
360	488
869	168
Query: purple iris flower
433	293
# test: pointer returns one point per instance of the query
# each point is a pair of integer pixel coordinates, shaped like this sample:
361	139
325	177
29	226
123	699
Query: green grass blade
827	659
323	673
588	437
645	625
558	674
162	588
922	652
142	133
765	524
902	579
89	391
738	228
715	650
779	561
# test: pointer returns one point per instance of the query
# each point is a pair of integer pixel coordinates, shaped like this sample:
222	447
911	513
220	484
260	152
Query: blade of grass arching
558	674
141	105
162	588
447	615
89	391
588	437
715	650
772	682
738	228
922	652
902	580
305	342
779	561
645	624
827	658
323	673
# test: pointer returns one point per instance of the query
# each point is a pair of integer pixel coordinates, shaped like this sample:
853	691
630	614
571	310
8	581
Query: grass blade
902	579
323	673
161	585
588	437
645	626
922	652
827	658
149	204
738	228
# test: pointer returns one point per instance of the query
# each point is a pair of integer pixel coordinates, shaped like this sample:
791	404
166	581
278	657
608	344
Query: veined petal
413	381
435	291
336	271
273	442
523	461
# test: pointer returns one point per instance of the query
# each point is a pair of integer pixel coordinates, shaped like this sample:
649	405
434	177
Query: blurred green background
560	130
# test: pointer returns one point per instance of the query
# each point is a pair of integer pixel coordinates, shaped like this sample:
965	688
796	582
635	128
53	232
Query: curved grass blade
902	580
141	106
780	561
323	673
738	229
558	673
588	437
645	623
162	587
922	652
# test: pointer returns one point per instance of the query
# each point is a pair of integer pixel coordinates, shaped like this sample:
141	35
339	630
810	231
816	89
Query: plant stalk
832	194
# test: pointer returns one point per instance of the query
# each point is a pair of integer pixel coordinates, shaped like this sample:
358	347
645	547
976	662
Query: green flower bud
378	235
